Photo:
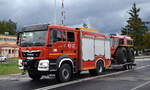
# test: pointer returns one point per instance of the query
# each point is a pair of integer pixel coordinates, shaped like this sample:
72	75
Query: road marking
139	86
143	59
142	67
86	79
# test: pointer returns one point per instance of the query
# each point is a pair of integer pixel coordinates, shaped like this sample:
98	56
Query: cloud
106	16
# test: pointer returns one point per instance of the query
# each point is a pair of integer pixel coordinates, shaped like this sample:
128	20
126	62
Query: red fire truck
64	51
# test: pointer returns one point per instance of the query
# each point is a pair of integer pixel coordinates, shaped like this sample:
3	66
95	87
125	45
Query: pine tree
136	27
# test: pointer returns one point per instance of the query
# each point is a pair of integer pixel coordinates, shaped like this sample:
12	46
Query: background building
8	46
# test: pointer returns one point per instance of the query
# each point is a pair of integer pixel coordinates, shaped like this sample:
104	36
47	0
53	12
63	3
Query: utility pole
54	12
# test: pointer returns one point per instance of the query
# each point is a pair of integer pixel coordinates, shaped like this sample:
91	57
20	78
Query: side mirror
18	36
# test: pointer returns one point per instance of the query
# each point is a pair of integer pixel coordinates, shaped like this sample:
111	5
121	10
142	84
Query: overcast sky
108	16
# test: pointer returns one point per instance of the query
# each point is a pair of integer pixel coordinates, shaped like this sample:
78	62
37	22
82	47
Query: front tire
121	55
99	69
34	75
64	73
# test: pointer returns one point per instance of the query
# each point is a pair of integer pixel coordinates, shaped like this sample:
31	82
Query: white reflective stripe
65	59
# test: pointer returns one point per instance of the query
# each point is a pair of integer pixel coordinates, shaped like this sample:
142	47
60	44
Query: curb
142	57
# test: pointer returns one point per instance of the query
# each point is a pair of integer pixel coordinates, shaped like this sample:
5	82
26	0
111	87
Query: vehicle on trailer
122	50
64	51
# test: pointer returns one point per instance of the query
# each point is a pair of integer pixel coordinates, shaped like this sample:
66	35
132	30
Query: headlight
43	65
20	64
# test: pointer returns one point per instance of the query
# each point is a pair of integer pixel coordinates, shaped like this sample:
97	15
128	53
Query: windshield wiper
31	44
38	44
26	44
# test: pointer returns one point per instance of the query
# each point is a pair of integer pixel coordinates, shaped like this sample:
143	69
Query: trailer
65	51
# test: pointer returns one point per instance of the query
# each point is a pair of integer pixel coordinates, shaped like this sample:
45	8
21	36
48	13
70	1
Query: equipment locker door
87	52
87	49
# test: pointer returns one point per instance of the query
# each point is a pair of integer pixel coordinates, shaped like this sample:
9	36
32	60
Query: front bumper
39	65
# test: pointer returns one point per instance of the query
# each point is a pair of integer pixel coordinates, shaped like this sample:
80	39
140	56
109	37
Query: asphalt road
136	79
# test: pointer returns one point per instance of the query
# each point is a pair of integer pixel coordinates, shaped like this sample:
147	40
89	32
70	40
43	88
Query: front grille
30	54
33	64
30	64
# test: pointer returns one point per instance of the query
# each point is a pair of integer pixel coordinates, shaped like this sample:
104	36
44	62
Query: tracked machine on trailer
65	51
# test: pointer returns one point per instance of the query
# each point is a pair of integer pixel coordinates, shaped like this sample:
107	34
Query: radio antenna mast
62	13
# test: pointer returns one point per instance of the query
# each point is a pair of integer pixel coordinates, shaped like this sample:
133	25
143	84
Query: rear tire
64	73
34	75
99	69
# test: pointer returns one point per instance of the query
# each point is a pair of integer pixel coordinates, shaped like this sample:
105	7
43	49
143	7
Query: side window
70	36
121	41
116	42
55	36
129	42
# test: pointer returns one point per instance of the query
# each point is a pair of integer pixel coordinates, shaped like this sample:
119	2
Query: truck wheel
131	55
64	73
34	75
121	55
99	69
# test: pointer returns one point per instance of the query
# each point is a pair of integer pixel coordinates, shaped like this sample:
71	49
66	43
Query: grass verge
9	67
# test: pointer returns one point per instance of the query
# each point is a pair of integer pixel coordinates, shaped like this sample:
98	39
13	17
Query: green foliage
147	40
8	26
136	27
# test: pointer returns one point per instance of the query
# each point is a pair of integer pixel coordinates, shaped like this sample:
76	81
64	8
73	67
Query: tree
8	26
147	41
136	27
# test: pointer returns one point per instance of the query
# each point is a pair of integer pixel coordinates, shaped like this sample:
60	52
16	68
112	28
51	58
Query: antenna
62	13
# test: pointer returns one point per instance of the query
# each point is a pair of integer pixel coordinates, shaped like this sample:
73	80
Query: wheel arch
100	60
64	59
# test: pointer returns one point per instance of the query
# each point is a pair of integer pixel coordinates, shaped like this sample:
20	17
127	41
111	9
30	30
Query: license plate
30	58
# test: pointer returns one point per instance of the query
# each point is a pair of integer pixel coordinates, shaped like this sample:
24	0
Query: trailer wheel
125	67
34	75
121	55
64	73
131	55
99	69
128	67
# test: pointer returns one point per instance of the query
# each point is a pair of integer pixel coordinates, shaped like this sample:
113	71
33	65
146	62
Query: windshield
34	38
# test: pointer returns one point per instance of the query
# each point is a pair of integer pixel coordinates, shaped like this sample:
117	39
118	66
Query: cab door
62	43
58	41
